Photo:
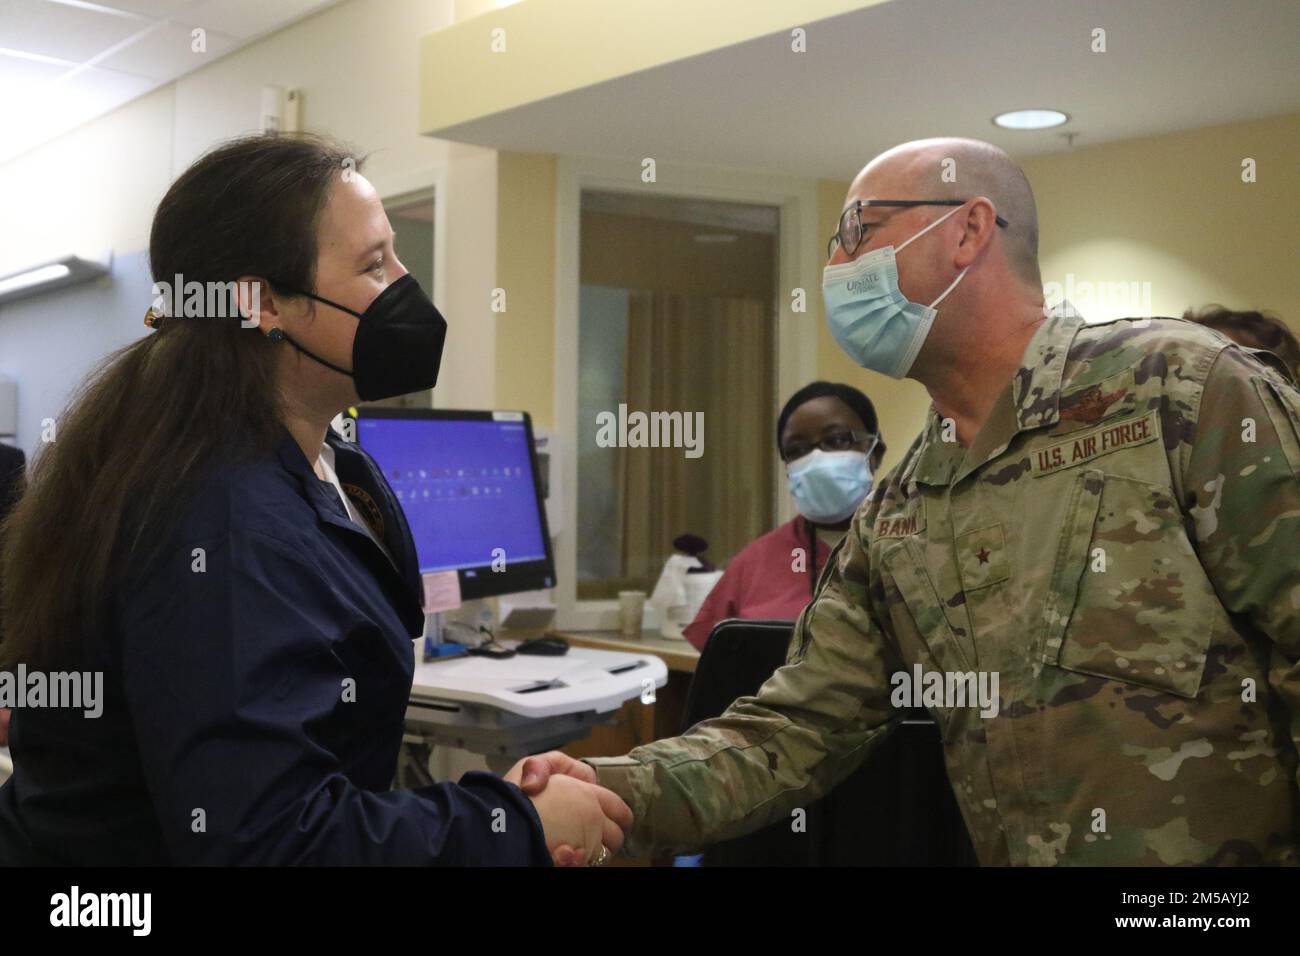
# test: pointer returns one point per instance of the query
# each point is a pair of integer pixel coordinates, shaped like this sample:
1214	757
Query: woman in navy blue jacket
189	538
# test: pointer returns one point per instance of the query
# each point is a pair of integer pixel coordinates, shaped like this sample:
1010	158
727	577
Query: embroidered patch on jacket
362	497
900	526
1090	405
982	557
1090	444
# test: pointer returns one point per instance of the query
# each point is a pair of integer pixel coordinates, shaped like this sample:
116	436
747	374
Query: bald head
952	168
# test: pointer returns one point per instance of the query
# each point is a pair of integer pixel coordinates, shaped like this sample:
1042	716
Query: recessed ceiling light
1030	119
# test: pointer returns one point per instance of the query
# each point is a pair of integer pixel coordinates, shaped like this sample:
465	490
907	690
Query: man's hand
531	775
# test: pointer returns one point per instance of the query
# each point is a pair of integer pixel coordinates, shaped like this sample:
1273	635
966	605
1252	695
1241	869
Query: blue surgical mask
828	486
874	323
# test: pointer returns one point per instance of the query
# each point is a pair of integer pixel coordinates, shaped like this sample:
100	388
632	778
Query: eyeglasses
851	231
836	441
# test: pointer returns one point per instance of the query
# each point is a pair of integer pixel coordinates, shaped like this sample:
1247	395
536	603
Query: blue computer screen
466	487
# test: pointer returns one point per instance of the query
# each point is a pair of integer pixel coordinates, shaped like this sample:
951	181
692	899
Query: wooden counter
679	655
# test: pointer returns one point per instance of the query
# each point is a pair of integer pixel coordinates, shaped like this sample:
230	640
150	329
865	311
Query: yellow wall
1172	211
525	332
1169	210
543	48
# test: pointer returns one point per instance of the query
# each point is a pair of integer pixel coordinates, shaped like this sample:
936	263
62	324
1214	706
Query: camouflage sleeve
811	724
1243	472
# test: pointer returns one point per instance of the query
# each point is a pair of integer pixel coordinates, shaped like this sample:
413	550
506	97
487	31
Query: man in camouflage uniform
1106	516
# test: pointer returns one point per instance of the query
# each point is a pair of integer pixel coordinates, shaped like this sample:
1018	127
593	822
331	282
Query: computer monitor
468	485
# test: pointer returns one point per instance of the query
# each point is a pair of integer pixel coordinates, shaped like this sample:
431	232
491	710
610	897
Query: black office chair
897	809
738	657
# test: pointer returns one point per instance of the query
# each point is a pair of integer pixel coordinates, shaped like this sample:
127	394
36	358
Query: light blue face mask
874	323
828	486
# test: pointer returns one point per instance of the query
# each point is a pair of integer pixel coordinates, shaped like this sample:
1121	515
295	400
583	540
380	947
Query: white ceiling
64	62
915	68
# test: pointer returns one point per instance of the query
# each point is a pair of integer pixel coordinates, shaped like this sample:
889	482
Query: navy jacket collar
364	483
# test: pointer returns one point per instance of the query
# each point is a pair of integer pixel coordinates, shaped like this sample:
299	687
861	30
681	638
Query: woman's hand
531	775
578	818
584	816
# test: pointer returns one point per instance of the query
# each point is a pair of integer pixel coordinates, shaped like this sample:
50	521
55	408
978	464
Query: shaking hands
584	823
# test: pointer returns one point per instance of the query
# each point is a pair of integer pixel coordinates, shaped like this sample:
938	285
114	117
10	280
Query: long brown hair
138	432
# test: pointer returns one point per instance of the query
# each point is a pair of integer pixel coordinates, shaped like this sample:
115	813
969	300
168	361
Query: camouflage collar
1029	401
1036	388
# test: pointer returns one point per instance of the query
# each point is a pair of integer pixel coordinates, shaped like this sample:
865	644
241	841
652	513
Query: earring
275	335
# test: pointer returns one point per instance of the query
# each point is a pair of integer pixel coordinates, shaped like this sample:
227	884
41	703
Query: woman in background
1255	330
828	438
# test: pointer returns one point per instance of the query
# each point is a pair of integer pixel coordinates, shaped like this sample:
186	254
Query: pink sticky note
441	591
